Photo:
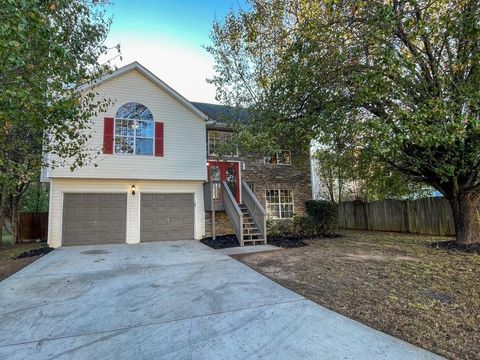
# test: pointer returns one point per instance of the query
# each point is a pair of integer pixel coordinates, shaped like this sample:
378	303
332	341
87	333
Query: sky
168	38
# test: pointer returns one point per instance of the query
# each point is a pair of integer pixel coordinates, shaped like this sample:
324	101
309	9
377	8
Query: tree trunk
14	220
466	218
3	205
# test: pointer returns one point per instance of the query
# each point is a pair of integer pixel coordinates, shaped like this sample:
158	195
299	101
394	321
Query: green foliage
49	52
279	227
400	76
35	198
323	214
304	225
321	218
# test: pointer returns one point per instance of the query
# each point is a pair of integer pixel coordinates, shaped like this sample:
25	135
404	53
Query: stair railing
233	211
256	209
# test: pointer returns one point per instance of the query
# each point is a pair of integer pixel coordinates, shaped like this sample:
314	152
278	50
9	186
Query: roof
144	71
222	113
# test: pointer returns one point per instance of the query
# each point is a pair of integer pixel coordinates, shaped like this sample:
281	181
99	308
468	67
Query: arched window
134	130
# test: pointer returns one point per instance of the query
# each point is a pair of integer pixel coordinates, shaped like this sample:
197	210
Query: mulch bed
221	242
34	252
290	241
452	245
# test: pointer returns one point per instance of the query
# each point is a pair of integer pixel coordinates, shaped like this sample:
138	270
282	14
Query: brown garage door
90	219
166	217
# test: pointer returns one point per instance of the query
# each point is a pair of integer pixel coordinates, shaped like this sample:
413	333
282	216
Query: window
283	157
134	128
279	203
217	140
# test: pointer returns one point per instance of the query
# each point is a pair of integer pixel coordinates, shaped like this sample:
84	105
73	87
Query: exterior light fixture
133	188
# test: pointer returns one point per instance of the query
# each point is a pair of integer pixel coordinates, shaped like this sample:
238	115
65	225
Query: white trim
279	203
265	162
239	172
151	191
50	207
312	175
82	191
219	132
134	137
144	71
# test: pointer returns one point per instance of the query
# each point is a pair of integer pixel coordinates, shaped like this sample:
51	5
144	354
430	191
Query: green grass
6	238
7	253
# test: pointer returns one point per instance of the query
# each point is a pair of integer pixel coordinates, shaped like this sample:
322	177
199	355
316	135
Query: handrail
249	191
256	209
233	211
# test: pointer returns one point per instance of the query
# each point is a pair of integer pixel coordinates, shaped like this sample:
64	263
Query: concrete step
255	241
252	237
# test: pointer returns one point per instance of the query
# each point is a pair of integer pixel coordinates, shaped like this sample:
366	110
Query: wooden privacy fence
431	216
33	226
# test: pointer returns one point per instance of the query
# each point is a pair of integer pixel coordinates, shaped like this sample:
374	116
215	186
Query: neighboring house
158	177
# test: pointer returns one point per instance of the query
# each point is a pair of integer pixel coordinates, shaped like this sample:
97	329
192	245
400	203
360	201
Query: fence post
367	215
407	216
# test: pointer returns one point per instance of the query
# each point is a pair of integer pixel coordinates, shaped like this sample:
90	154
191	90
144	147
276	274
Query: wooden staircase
251	232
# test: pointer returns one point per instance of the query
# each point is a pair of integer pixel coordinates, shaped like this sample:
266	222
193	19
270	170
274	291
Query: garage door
166	217
94	219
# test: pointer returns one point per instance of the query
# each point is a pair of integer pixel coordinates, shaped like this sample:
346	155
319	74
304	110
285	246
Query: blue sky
167	36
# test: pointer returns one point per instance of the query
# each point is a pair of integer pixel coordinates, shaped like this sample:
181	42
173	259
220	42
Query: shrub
323	214
280	227
304	225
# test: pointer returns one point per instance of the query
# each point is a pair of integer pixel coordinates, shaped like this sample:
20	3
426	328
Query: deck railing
256	209
233	211
213	196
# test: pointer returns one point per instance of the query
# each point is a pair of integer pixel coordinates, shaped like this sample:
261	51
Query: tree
48	51
347	173
405	72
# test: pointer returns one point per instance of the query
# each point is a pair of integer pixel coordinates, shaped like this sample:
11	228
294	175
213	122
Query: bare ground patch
396	283
9	264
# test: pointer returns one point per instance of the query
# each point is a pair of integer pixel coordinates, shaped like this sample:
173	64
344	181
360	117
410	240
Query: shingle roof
222	113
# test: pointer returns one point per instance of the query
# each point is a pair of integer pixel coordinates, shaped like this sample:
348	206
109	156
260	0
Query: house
158	177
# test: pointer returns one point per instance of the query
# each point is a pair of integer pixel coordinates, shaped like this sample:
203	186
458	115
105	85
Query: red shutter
108	135
159	139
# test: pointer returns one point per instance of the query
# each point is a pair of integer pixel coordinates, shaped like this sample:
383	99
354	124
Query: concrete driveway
171	300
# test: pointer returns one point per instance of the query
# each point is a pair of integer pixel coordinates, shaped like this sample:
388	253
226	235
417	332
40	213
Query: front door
226	171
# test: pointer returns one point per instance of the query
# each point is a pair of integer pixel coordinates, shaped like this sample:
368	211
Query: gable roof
222	113
149	75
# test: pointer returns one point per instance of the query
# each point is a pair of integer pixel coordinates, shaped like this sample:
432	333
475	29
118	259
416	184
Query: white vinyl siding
60	186
184	136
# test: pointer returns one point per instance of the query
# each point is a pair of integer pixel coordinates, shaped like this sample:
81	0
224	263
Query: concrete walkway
173	300
248	249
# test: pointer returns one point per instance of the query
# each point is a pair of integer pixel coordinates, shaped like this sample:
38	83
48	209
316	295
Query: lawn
9	265
6	238
396	283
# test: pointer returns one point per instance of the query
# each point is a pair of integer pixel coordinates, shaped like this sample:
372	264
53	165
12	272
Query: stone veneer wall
222	224
296	177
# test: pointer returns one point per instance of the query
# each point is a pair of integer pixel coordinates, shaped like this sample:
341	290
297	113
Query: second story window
218	144
283	157
134	130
